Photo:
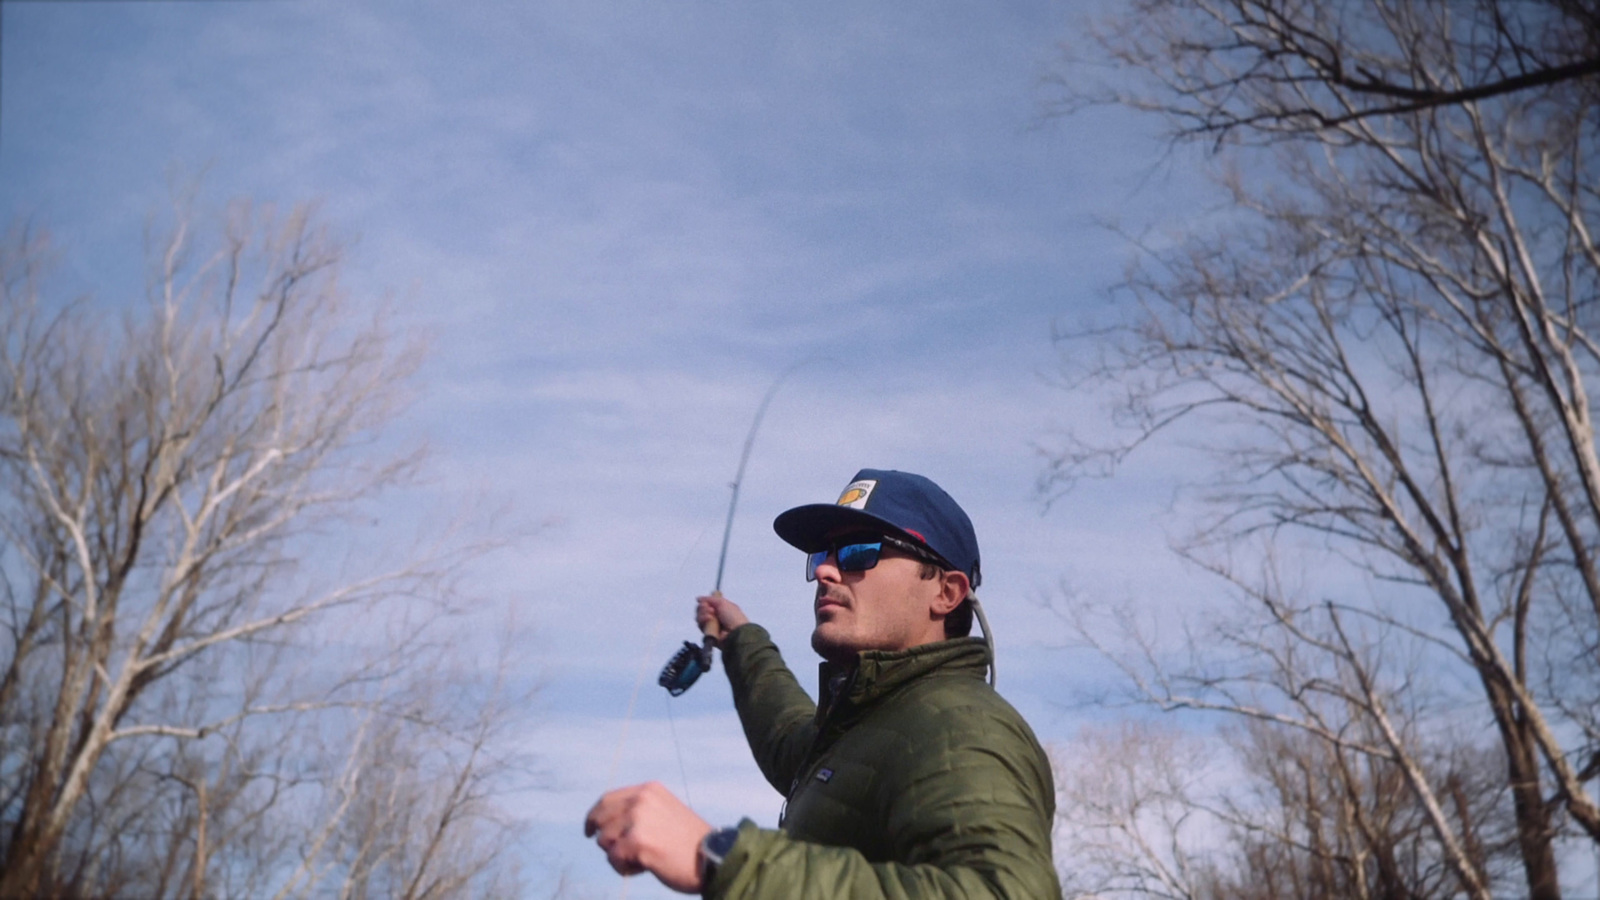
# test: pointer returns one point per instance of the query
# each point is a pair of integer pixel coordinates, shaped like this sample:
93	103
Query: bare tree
1334	787
1250	69
172	492
1134	815
1325	822
1392	326
412	814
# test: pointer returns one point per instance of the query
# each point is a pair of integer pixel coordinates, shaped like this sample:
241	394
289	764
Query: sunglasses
856	555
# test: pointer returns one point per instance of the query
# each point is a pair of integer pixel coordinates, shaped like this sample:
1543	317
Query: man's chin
830	645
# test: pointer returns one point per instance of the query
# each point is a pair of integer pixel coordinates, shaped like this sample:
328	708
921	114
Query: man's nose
828	569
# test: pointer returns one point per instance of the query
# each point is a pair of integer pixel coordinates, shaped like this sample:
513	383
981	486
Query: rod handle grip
711	628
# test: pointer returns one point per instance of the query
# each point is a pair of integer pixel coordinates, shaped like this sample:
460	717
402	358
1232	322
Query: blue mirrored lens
849	558
858	557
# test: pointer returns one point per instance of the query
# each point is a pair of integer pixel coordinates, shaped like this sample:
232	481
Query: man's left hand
645	828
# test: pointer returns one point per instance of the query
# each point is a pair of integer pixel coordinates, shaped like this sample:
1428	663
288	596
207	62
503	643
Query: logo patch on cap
856	493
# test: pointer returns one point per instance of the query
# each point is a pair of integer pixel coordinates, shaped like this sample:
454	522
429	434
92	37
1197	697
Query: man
911	777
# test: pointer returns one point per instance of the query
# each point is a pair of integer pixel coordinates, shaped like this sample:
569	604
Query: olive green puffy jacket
912	779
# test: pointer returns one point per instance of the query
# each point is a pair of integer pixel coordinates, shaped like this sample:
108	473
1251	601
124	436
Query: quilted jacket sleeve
777	714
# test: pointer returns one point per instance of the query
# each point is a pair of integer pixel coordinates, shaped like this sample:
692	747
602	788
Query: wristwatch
714	848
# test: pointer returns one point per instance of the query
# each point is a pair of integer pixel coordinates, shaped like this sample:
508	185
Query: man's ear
953	588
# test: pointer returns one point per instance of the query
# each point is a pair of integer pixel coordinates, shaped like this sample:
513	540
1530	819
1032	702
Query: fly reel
685	667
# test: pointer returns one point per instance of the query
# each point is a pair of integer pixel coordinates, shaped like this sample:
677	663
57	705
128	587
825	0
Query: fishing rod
693	660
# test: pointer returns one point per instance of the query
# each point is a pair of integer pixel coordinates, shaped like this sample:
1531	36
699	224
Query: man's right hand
721	614
645	829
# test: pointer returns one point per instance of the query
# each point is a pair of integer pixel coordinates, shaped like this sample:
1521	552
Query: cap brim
807	527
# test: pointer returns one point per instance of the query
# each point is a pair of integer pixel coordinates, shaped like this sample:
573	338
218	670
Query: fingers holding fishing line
645	828
716	615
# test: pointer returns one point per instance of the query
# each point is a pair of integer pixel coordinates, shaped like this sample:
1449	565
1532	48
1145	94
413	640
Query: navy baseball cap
899	504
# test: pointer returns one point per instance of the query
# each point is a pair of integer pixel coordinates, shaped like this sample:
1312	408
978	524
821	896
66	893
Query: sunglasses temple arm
988	636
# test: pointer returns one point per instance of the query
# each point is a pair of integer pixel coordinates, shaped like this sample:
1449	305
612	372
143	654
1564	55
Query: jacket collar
846	690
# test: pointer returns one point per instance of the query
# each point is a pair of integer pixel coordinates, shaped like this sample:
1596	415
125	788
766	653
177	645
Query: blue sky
617	223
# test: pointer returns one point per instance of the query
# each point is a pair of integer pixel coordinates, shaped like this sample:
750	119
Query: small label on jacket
824	774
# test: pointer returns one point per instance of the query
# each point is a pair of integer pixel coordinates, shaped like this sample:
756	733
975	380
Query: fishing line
691	660
633	701
644	669
683	773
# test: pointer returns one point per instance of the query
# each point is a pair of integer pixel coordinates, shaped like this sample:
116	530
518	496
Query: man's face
887	607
